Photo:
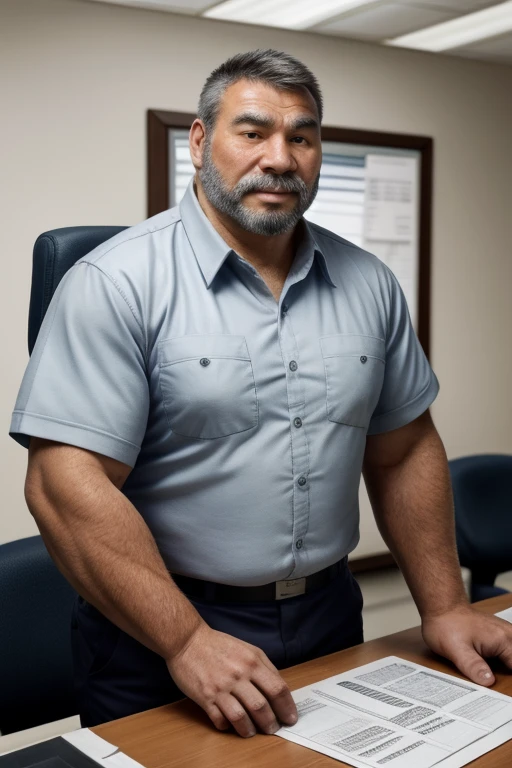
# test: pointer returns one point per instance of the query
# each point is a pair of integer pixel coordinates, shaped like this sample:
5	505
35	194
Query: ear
197	137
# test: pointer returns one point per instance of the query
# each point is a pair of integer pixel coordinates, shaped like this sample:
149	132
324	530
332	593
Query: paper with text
391	219
399	714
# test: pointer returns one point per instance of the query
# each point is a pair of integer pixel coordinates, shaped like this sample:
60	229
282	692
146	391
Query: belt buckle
290	588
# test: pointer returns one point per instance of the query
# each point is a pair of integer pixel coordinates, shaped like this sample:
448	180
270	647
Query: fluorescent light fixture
288	14
464	30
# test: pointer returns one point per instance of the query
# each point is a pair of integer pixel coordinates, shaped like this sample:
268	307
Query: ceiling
477	29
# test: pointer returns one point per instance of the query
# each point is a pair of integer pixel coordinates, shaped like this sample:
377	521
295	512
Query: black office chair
482	491
54	253
36	675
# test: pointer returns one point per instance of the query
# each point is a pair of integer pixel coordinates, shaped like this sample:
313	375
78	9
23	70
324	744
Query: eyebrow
263	121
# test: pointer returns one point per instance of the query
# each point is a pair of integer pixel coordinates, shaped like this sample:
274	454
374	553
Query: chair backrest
55	252
36	675
482	490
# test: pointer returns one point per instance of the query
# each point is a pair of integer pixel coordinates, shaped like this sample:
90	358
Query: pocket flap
348	345
192	347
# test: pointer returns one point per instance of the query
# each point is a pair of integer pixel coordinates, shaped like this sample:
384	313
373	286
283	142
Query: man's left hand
466	637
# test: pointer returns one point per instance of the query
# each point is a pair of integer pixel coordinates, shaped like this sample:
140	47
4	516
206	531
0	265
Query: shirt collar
211	251
209	248
306	252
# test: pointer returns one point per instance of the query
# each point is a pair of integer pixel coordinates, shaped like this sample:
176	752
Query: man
204	392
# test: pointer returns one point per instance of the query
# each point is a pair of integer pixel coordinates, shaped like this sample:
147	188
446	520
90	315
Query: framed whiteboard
375	190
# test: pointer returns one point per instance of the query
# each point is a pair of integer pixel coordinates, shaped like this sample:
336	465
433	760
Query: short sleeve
86	382
410	385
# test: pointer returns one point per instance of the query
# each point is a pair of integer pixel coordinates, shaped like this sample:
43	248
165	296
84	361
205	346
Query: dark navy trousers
116	676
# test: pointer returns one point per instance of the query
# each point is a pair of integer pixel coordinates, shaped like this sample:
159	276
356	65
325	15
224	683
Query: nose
277	156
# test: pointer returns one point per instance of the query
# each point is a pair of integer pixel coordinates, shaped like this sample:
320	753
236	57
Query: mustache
270	183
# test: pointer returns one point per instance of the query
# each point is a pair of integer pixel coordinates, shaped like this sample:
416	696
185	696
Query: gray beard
229	201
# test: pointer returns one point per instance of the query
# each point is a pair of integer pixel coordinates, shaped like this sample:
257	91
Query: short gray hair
276	68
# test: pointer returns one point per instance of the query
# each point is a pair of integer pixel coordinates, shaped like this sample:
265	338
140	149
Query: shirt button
297	422
298	543
363	358
284	309
302	480
293	365
204	361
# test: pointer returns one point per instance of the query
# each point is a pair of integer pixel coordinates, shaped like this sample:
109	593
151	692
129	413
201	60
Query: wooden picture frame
159	122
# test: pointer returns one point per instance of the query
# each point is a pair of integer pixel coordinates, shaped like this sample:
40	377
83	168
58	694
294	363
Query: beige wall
77	78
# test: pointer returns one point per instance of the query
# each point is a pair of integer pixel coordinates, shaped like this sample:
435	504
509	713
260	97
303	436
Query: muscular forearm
413	508
105	550
102	545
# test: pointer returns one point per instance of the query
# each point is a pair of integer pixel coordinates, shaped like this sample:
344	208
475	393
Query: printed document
391	219
391	198
398	714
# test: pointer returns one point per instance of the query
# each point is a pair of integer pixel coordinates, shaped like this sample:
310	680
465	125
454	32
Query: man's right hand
234	682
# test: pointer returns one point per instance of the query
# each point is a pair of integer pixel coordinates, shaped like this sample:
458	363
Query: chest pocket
354	373
207	385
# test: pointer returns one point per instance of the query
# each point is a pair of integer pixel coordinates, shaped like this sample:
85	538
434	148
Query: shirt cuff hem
24	426
406	413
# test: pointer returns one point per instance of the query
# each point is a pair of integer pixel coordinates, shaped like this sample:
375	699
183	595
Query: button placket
299	442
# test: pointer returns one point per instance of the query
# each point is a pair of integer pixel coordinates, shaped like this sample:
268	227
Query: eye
252	135
301	139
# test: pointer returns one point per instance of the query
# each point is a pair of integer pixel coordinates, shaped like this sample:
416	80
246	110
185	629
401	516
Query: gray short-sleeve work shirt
244	419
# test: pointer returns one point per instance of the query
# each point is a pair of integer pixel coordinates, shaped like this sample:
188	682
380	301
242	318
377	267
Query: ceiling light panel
457	7
384	21
496	49
173	6
462	31
287	14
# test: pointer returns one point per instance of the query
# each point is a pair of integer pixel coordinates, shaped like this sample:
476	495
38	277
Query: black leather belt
277	590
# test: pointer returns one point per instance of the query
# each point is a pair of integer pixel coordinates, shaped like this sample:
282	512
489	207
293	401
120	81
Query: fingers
248	707
277	693
234	682
257	707
506	656
467	637
473	666
487	639
234	711
505	643
217	718
263	702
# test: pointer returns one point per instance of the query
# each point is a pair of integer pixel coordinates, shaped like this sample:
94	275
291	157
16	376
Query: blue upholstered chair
36	676
482	491
54	253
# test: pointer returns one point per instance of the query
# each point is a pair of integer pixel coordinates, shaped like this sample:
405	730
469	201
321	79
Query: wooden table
182	735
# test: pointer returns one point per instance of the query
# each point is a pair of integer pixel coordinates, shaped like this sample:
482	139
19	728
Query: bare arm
103	547
407	478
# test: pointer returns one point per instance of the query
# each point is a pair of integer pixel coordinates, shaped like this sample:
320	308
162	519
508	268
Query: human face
261	164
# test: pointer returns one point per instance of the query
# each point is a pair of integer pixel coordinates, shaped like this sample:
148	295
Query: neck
273	253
